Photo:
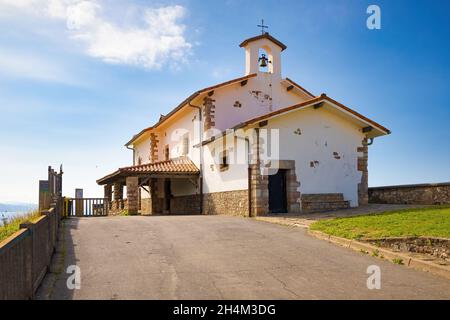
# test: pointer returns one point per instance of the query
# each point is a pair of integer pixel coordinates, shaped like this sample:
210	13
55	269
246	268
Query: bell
263	61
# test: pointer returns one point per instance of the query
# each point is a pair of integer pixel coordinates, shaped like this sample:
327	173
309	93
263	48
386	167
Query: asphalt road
221	257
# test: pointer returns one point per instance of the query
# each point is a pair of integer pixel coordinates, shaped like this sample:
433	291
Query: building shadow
60	282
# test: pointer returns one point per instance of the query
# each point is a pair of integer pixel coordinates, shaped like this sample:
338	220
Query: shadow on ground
54	285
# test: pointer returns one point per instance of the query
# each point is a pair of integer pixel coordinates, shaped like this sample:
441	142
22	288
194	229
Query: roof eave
299	87
264	36
373	124
189	100
322	98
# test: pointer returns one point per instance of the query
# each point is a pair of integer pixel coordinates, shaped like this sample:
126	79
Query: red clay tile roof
178	166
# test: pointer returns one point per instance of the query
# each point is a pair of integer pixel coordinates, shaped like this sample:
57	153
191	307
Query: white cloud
82	15
155	39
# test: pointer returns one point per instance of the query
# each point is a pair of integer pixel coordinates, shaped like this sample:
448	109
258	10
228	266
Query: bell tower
263	54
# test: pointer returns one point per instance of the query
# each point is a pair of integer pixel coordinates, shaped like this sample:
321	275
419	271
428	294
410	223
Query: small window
185	144
224	161
166	153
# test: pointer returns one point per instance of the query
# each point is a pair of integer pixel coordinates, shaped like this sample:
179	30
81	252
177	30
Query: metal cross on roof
262	26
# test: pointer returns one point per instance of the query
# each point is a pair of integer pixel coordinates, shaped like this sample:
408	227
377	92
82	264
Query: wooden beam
146	190
263	123
318	105
367	129
289	88
243	83
210	93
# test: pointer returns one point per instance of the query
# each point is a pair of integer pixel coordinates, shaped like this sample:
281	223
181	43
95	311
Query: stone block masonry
437	247
153	147
259	182
189	204
209	113
323	202
227	203
132	195
362	164
117	203
424	194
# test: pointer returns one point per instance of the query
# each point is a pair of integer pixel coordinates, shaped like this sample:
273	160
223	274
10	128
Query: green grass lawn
14	224
433	221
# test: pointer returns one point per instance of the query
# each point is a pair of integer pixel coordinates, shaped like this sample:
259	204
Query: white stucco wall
261	95
171	133
322	134
142	150
235	178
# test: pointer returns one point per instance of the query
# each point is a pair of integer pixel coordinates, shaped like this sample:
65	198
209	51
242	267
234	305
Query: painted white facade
323	142
324	147
235	177
261	95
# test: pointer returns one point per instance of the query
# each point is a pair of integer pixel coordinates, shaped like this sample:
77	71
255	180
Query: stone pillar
154	200
107	188
118	196
107	191
259	192
139	199
292	185
132	195
153	148
363	186
208	114
259	181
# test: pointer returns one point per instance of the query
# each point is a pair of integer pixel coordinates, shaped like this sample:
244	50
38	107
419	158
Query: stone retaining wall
437	247
185	204
228	203
438	193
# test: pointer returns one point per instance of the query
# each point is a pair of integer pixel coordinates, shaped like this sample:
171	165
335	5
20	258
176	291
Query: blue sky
79	78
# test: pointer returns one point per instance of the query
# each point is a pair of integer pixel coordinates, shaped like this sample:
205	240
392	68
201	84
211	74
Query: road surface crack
285	287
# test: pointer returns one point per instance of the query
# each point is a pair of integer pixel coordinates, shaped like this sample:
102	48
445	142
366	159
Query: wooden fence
25	256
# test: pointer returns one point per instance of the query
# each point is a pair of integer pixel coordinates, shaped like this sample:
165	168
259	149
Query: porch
163	187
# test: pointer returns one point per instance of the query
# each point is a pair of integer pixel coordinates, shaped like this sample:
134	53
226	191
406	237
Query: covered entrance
163	187
277	192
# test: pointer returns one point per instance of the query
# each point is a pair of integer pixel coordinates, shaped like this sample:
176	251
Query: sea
8	215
